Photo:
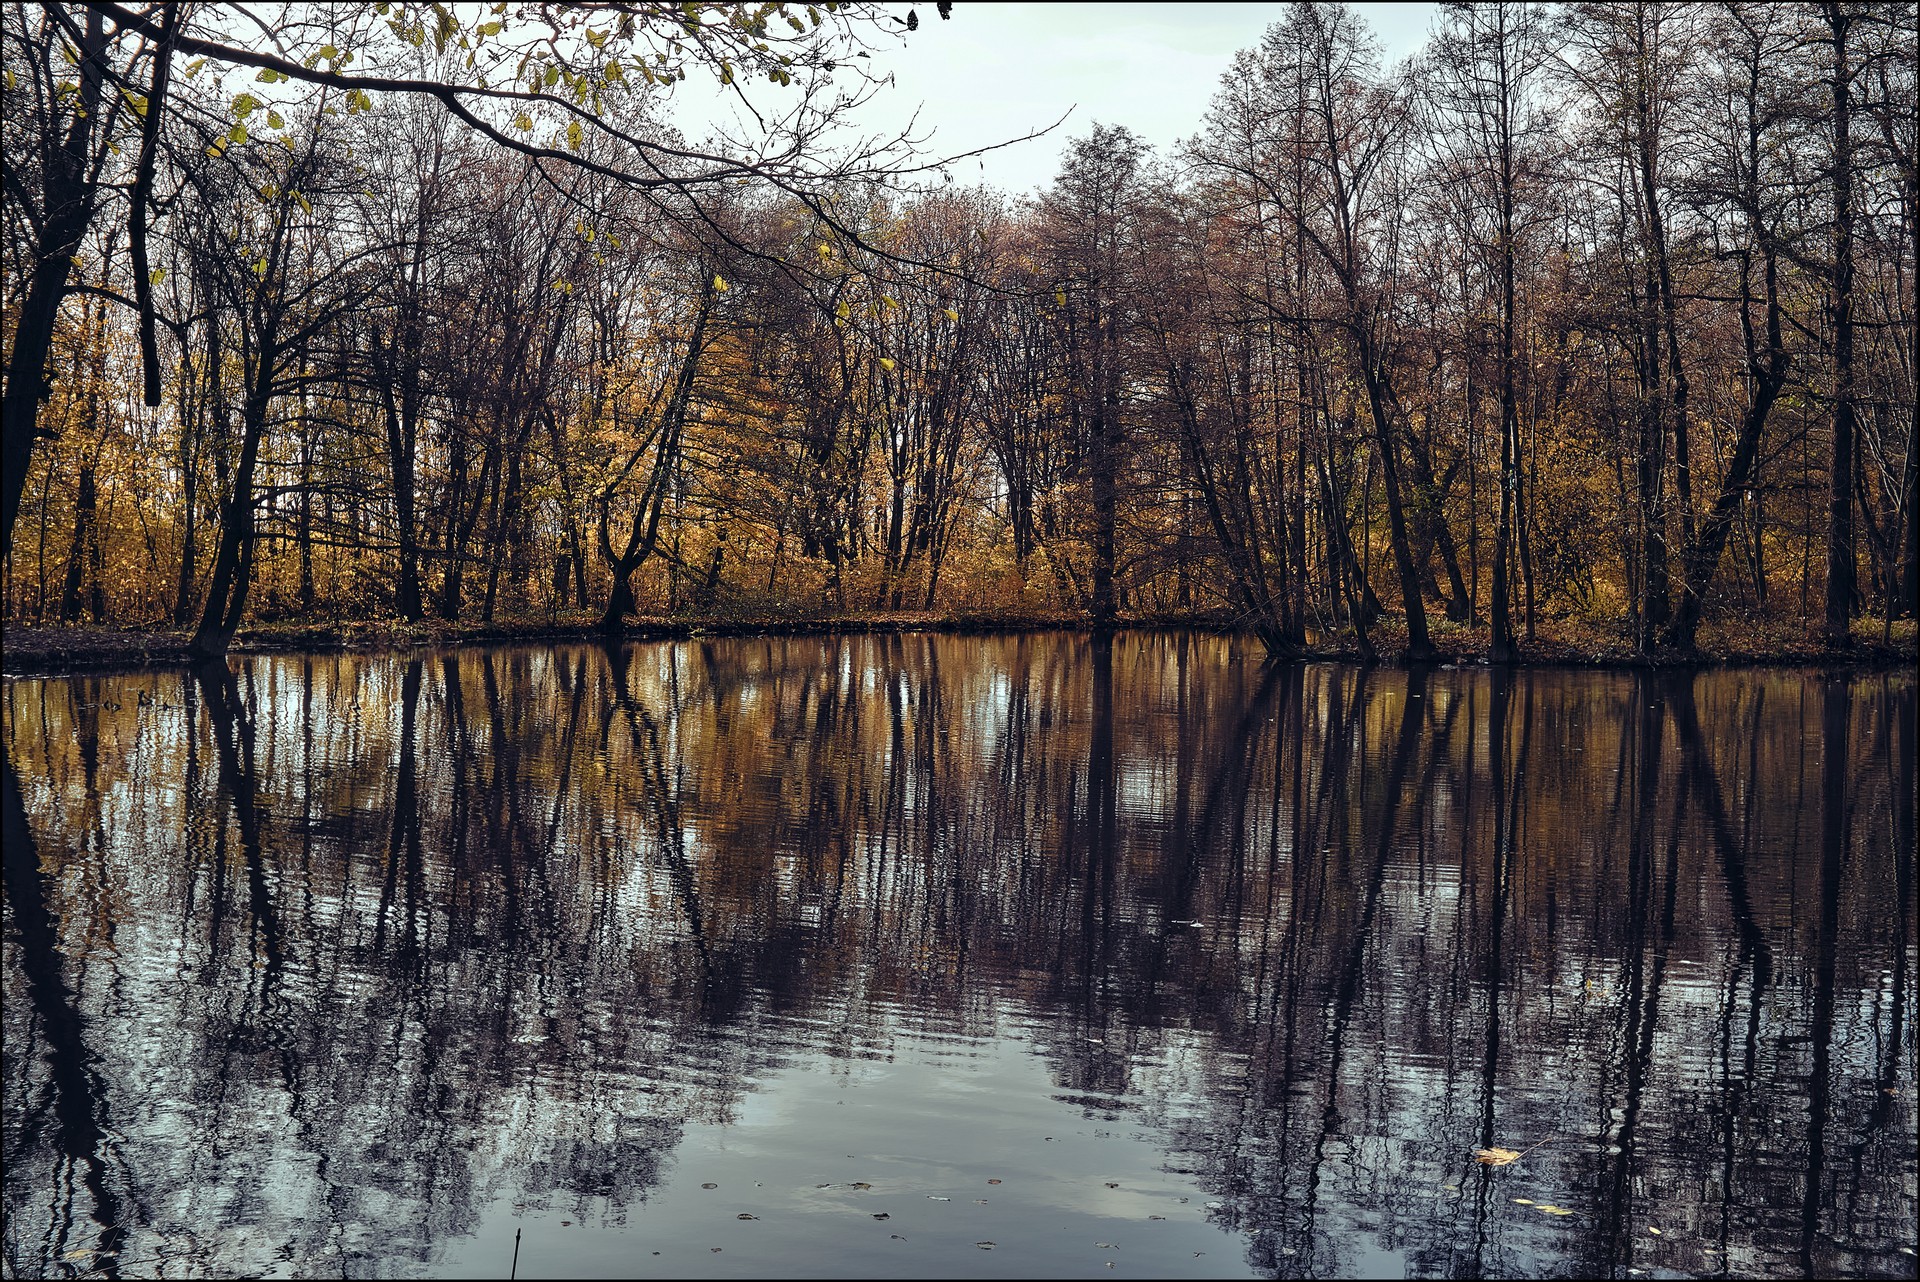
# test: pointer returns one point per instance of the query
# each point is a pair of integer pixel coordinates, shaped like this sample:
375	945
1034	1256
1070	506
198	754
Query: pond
948	956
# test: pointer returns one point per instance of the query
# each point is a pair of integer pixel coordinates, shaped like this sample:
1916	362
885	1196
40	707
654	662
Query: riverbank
1728	642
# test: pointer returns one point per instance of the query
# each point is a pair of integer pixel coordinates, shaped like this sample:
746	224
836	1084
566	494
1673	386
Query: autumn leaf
1495	1156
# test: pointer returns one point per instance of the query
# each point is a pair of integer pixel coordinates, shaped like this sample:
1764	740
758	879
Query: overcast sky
996	71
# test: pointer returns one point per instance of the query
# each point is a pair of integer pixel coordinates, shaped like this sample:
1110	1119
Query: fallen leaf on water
881	1215
1216	1206
979	1201
993	1181
1495	1156
984	1246
1524	1201
1556	1210
709	1186
1653	1230
744	1216
1112	1185
1156	1217
859	1184
714	1249
898	1237
935	1197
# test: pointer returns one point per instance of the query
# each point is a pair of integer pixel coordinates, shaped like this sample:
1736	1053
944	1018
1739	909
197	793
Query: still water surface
915	956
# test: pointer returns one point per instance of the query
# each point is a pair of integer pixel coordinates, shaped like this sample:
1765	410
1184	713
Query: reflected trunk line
1284	714
577	689
1900	773
1348	986
1834	727
403	828
505	790
87	723
663	807
233	738
1733	864
1230	784
1506	803
1098	828
78	1095
465	780
1642	995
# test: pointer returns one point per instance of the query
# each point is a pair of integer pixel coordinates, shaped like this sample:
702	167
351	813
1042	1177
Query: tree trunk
1836	626
70	196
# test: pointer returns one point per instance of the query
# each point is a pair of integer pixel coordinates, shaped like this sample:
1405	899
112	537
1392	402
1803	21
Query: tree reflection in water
314	961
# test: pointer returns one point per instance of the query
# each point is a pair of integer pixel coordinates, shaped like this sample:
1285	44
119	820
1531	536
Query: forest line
1601	312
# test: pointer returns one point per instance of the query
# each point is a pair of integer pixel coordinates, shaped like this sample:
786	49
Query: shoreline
27	651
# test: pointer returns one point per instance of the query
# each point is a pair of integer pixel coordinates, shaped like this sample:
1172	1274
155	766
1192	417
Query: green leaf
157	275
886	363
238	133
720	285
274	121
574	135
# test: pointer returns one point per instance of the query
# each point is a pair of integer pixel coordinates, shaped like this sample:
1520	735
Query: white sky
996	71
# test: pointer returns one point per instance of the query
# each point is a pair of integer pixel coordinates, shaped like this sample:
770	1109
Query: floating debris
709	1186
1112	1185
1653	1229
1496	1156
1156	1217
935	1197
993	1181
1525	1201
881	1215
984	1246
1551	1209
1215	1206
744	1216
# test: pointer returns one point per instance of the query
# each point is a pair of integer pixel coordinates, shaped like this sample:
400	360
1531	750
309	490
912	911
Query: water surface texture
916	956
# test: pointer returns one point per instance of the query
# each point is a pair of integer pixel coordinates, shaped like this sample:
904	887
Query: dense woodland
1595	312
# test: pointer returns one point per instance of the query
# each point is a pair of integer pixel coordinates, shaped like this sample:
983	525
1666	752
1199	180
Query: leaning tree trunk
70	196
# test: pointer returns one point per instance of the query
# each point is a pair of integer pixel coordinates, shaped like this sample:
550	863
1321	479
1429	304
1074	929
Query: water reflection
330	963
